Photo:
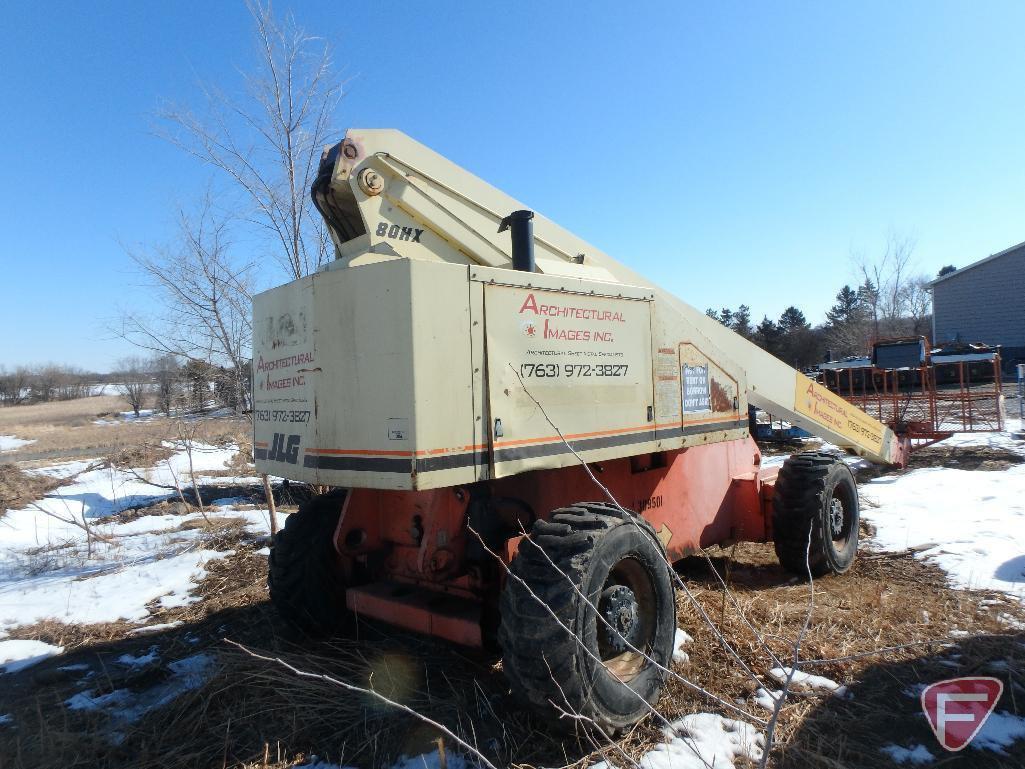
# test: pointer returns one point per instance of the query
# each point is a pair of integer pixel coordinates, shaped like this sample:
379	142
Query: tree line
162	382
889	302
43	383
170	386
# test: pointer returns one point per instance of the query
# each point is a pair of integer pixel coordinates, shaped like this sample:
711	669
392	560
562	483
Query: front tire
573	662
306	585
816	493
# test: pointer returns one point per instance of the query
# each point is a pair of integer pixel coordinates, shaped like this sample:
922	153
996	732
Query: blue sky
739	153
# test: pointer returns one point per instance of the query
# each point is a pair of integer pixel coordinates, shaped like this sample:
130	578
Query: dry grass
60	412
68	429
254	714
251	714
18	488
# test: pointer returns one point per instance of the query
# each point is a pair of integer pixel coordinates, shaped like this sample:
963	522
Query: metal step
419	609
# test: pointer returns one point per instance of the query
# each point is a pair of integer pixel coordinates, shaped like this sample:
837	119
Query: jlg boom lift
453	370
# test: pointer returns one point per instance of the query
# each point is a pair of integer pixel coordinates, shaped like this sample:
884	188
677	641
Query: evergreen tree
847	320
712	314
726	317
869	295
767	335
946	270
742	321
797	344
848	308
792	320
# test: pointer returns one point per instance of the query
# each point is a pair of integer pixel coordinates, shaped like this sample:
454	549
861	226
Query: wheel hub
836	516
618	606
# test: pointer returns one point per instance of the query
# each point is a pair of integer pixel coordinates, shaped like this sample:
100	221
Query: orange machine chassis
432	561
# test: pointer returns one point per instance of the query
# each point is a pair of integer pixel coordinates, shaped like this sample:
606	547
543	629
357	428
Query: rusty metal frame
940	410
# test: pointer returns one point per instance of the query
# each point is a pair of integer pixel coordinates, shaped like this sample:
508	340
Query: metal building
984	302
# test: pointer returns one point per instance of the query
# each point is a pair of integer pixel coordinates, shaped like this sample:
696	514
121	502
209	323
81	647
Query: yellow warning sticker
665	534
833	412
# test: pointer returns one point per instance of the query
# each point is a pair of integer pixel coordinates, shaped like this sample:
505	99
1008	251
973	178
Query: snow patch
802	680
700	740
115	594
432	760
919	754
10	443
125	707
18	655
86	700
1000	730
971	523
155	628
132	661
51	568
682	637
767	698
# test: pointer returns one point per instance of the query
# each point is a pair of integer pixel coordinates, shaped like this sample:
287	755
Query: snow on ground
767	698
104	594
802	680
919	754
432	760
18	655
855	463
698	741
10	443
51	568
124	706
682	637
145	415
155	628
1000	730
969	522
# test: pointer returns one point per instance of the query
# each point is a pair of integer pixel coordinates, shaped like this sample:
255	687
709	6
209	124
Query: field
98	426
130	617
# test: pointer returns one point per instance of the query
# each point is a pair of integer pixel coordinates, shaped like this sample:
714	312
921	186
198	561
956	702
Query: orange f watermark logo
958	707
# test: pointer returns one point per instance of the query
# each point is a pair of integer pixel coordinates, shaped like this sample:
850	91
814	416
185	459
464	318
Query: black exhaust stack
521	224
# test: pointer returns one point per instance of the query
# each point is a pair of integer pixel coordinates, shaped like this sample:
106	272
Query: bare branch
370	693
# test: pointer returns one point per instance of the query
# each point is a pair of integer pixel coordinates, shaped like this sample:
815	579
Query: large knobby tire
573	662
816	492
306	585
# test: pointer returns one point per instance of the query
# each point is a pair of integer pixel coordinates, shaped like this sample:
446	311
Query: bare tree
918	305
204	297
134	381
885	283
267	141
14	385
166	371
54	382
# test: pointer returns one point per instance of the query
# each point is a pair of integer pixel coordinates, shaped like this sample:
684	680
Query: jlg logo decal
284	449
399	233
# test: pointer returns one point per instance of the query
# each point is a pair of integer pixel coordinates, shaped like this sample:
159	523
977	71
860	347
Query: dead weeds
18	488
965	458
69	429
251	713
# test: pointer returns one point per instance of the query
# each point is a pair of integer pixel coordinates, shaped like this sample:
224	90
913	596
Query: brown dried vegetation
254	714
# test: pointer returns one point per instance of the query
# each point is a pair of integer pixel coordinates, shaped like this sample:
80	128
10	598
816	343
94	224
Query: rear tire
816	492
305	582
618	563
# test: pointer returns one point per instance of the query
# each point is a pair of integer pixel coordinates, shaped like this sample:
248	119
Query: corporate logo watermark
958	707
